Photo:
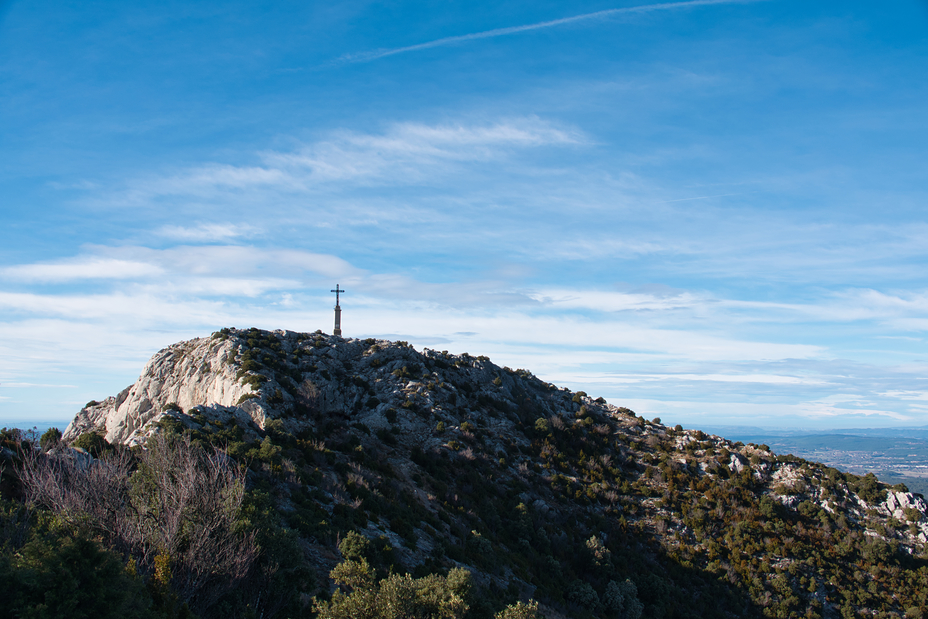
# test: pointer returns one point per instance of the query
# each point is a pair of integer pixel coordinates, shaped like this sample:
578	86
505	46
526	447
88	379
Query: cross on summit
338	312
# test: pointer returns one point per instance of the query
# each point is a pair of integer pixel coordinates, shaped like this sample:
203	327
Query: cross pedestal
338	312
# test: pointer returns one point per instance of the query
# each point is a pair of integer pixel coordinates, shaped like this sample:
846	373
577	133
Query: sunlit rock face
256	375
200	372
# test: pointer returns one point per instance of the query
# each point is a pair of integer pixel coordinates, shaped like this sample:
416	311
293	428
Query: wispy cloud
405	153
206	232
608	301
826	410
499	32
768	379
29	385
211	269
80	269
411	148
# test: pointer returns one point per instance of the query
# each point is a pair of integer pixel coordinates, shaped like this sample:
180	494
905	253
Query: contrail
498	32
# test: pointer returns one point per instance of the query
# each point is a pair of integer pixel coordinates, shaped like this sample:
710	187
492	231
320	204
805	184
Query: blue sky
713	212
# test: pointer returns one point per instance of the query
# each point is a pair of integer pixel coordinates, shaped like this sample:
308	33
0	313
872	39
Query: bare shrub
186	501
181	501
307	397
83	492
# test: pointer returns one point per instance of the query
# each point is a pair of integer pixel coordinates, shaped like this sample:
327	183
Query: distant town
898	455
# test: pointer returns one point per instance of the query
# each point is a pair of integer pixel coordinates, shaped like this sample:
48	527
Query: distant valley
895	455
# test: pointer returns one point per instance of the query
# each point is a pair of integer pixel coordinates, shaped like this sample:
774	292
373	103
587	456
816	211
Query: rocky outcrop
257	375
200	372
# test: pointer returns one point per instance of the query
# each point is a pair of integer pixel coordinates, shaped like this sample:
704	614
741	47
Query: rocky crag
455	461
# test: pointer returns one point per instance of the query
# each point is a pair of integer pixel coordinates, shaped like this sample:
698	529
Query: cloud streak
80	269
205	232
402	154
499	32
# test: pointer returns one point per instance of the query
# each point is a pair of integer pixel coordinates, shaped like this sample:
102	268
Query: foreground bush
172	503
70	577
404	597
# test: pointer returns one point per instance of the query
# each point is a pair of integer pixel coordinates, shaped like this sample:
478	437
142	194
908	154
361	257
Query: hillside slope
449	460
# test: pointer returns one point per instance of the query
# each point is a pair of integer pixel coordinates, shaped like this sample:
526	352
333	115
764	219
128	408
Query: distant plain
894	455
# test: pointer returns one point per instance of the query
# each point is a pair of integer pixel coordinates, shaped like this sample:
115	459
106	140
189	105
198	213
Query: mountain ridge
458	462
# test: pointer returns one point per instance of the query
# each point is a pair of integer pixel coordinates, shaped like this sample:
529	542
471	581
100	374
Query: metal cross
336	291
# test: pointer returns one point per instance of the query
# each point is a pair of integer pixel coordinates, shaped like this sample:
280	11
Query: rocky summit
440	461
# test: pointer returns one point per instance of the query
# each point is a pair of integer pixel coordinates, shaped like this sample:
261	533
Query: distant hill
431	461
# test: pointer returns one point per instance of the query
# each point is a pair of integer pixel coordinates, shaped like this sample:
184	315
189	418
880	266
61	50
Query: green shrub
519	611
354	546
93	443
50	438
622	599
71	577
583	594
245	397
395	596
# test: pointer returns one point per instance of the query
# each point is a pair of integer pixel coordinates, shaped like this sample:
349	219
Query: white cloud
906	395
767	379
14	385
607	301
206	232
408	150
406	153
213	269
825	410
81	268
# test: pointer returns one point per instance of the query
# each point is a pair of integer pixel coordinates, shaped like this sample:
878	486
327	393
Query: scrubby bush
93	443
361	595
180	501
519	611
621	599
583	594
70	577
50	438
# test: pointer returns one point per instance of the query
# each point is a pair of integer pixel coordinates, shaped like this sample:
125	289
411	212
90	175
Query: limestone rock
737	463
188	374
897	502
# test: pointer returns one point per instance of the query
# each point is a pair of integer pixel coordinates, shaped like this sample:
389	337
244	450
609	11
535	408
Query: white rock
897	502
737	463
173	375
